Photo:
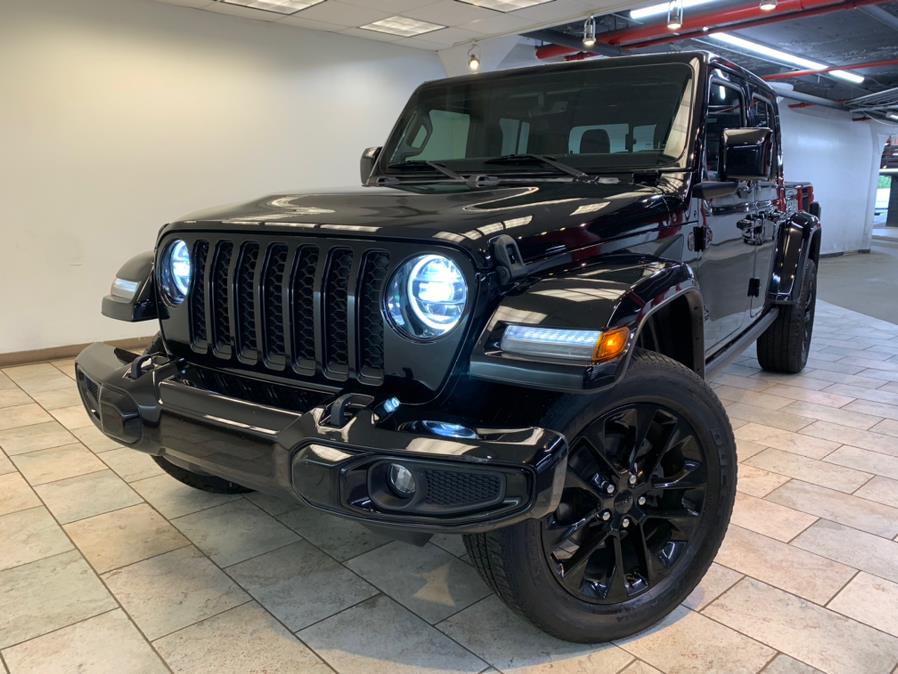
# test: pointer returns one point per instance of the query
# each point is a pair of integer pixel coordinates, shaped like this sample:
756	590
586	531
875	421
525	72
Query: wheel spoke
677	434
617	584
649	561
690	476
599	451
575	567
683	520
560	537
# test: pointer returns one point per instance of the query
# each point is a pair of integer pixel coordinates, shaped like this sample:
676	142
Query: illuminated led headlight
176	271
427	296
527	340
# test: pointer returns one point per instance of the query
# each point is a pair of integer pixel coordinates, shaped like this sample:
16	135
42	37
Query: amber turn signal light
611	344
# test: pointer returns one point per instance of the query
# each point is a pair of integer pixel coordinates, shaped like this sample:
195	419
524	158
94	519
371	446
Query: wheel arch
797	240
657	300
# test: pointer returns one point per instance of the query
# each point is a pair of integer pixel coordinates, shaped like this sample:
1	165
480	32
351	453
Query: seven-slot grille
308	306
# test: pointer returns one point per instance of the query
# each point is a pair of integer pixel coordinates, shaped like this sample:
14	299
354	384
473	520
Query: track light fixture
675	14
589	32
767	5
473	59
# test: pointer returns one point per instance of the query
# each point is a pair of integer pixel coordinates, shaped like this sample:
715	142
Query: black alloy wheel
634	492
647	496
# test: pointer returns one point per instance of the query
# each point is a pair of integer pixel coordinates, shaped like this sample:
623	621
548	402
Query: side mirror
748	153
366	163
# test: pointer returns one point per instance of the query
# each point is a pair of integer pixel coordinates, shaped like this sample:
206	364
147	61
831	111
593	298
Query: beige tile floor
107	564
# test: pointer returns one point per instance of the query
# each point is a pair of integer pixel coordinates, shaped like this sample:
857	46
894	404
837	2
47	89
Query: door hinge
754	287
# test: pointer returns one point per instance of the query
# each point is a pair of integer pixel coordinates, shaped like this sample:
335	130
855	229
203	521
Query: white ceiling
464	22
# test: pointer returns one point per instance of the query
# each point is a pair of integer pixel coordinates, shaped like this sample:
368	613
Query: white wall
841	158
119	115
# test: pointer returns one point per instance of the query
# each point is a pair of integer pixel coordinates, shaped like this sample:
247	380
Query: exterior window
725	111
515	135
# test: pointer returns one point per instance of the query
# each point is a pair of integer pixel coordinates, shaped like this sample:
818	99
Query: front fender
612	293
141	306
794	242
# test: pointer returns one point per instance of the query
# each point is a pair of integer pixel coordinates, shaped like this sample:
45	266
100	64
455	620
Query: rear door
728	259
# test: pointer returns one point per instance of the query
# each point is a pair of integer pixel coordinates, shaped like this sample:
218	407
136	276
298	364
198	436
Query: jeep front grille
307	307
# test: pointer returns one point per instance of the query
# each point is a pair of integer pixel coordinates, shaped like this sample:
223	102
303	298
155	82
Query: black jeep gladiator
504	333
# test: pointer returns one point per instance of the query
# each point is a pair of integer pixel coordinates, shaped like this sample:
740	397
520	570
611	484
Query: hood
544	217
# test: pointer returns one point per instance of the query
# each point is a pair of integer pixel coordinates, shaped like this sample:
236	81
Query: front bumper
499	478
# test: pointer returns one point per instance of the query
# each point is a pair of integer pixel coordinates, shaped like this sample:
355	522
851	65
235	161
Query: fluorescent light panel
402	26
661	8
784	57
276	6
505	5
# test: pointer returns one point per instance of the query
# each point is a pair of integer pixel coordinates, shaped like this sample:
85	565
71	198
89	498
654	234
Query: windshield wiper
548	161
473	180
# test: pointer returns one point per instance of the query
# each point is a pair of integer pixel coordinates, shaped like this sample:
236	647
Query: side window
449	139
725	111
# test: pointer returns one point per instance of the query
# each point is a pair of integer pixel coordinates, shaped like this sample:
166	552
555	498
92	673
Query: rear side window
725	111
762	113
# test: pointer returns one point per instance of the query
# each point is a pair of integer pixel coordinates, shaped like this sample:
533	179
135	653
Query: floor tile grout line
799	598
105	586
61	627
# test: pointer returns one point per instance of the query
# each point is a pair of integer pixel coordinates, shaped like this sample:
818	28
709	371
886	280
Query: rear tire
210	483
662	439
785	345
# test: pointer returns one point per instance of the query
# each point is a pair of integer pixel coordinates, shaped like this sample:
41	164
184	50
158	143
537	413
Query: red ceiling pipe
736	17
821	71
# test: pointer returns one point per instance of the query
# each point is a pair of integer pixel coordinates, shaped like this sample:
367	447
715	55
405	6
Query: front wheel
647	498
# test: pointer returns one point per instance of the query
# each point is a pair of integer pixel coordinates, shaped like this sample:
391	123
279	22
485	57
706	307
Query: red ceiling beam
821	71
694	24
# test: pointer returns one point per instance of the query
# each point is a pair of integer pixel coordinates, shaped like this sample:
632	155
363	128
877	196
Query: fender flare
141	306
623	291
797	237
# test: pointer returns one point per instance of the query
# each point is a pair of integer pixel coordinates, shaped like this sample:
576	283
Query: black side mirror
748	153
366	163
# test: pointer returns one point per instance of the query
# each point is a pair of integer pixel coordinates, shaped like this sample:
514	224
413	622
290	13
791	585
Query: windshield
593	119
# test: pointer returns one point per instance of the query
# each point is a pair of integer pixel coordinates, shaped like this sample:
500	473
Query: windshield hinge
510	264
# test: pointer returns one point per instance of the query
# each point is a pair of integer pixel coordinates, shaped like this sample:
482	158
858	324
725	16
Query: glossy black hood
544	217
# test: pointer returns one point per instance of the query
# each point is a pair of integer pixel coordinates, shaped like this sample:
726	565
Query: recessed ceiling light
505	5
662	7
783	57
403	26
276	6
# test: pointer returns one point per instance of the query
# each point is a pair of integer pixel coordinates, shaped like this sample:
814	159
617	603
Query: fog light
401	480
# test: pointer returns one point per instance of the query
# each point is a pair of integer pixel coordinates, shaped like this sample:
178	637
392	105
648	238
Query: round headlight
176	271
427	296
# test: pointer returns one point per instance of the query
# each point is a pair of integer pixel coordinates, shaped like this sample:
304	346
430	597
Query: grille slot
336	311
246	300
371	325
273	293
218	294
303	309
198	294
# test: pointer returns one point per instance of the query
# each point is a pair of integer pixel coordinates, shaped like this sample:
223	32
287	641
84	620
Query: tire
539	577
785	345
210	483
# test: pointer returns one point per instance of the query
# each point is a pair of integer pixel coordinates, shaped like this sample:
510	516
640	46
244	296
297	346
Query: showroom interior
120	116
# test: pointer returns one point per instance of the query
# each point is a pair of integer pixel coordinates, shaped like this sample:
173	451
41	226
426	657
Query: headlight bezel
405	312
175	286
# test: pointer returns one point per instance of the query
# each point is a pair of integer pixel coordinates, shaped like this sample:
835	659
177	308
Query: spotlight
473	60
675	14
767	5
589	32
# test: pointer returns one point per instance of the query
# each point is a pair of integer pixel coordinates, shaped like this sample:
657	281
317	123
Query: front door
727	264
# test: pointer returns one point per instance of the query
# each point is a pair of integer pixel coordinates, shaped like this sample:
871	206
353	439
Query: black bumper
464	485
